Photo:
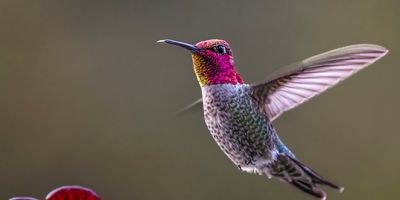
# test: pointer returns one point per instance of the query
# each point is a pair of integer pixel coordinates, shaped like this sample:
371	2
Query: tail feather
290	170
309	188
315	176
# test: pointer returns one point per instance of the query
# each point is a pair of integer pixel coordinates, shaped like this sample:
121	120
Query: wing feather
313	76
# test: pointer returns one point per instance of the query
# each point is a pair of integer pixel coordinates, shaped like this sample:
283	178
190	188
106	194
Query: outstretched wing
312	76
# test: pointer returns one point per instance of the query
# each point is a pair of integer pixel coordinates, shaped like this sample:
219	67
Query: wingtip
385	50
376	47
382	51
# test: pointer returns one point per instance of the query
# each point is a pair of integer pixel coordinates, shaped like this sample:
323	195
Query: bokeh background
88	97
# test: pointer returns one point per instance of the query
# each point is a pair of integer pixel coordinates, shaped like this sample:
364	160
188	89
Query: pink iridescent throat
226	74
212	70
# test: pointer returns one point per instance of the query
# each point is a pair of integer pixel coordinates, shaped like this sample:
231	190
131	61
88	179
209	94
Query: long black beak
187	46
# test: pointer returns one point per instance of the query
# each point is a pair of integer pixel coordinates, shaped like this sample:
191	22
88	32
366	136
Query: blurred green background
88	97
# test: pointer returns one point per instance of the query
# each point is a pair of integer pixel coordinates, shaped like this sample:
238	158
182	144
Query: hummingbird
239	115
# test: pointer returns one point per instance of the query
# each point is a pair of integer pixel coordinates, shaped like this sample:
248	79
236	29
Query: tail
292	171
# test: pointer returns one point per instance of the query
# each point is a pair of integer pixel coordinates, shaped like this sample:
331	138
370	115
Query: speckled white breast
235	123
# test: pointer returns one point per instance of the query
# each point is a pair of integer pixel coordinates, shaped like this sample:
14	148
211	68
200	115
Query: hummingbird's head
213	61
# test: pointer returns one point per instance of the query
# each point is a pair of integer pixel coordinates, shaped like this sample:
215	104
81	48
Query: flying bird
239	115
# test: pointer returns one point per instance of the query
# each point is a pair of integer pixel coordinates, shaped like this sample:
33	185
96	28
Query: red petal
72	193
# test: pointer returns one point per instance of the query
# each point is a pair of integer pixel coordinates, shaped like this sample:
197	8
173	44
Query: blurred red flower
67	193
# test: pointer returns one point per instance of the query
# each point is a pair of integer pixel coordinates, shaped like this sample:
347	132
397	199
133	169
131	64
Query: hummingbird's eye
220	49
